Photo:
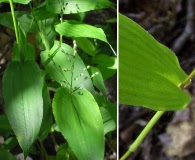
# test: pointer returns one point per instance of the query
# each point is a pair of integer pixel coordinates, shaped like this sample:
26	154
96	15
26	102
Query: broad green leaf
78	117
4	154
106	64
17	1
67	69
22	93
149	73
98	80
76	6
74	29
86	45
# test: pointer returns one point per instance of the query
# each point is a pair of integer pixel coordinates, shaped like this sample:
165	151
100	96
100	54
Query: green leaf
109	123
73	29
24	19
48	27
4	154
106	64
41	13
22	93
17	1
98	80
47	115
110	107
67	69
76	6
86	45
149	73
65	152
10	143
23	51
78	118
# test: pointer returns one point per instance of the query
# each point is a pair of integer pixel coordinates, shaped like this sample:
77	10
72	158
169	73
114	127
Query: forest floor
172	23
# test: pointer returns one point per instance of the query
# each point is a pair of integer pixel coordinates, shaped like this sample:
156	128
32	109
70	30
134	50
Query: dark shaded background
171	22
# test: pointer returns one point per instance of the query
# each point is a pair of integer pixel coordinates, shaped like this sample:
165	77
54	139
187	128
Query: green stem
187	80
153	121
41	31
44	151
54	141
143	134
14	20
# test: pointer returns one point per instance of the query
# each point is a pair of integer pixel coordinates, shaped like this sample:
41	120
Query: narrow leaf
78	117
22	93
149	73
98	80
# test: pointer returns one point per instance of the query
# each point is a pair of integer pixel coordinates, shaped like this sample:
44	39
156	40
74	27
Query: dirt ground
171	22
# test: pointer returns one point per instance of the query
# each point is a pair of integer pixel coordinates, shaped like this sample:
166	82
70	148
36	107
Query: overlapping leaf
78	117
67	69
149	73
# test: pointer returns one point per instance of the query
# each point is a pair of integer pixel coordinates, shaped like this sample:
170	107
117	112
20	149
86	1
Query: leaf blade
20	89
149	72
84	126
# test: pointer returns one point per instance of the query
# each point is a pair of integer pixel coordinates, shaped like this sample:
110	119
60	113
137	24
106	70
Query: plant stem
187	80
143	134
54	141
41	31
44	151
14	20
153	121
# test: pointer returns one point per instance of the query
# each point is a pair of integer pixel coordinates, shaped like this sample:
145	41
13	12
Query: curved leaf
98	80
76	6
72	28
149	73
78	117
22	93
106	64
